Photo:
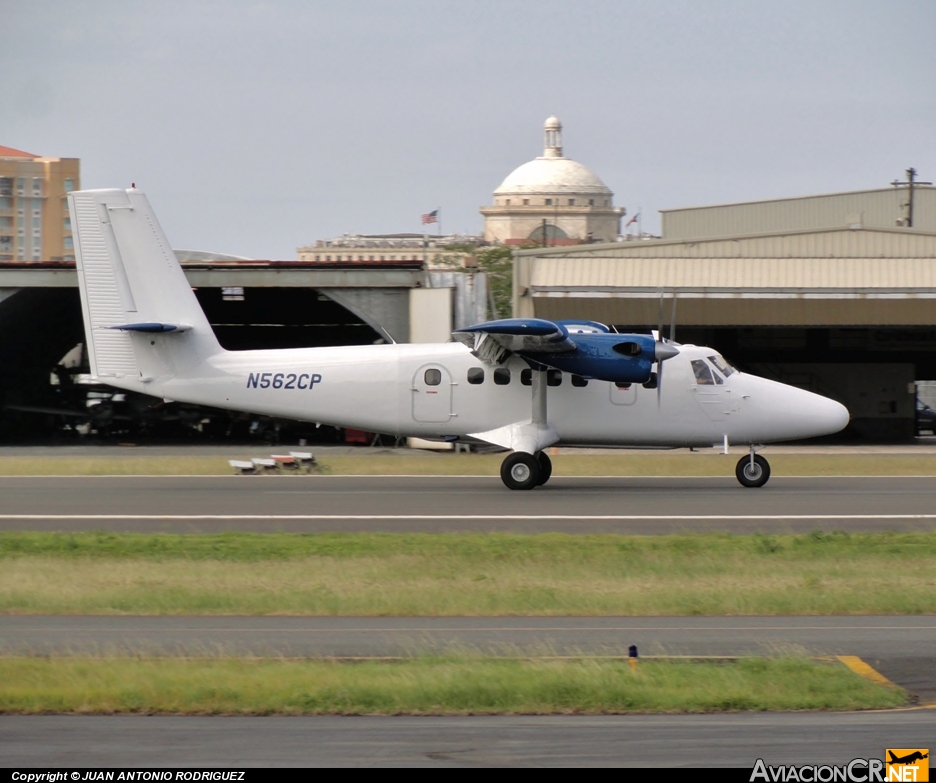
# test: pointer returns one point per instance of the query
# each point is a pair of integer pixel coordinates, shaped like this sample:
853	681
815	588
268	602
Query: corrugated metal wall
735	274
871	209
844	243
752	312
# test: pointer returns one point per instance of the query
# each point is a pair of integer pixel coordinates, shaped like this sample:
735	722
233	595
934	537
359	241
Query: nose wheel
753	470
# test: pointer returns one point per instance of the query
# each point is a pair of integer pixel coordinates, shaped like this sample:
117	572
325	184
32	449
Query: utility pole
909	184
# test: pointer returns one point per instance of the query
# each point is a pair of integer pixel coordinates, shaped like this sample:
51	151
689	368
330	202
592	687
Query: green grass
386	574
679	463
453	685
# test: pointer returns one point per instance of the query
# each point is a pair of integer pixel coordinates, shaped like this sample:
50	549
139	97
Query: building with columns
552	200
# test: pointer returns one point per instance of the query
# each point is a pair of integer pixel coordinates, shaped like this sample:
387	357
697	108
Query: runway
736	740
311	504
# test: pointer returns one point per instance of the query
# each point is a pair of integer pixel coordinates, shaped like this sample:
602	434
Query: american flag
431	217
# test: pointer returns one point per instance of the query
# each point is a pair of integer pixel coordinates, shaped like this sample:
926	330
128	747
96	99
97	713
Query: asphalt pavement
720	740
314	503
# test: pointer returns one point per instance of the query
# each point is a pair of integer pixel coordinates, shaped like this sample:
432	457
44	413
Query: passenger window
476	375
526	377
553	378
433	377
703	375
501	376
579	381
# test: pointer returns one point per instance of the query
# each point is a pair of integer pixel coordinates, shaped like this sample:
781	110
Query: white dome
552	175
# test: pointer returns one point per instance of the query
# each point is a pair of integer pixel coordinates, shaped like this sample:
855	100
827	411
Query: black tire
755	475
520	471
545	468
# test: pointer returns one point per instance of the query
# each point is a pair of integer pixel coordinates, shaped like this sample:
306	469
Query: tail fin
142	320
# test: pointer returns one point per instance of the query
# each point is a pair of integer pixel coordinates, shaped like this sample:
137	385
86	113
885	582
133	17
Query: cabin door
432	394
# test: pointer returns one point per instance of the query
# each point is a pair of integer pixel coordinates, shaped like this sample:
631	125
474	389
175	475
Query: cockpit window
723	366
703	373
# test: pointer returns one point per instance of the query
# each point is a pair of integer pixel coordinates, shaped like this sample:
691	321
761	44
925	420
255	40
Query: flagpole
439	214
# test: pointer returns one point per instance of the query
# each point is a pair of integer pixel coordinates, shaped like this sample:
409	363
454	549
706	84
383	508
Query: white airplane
522	384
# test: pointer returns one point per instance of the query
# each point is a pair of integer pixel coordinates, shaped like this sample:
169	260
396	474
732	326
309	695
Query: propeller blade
672	326
660	327
661	352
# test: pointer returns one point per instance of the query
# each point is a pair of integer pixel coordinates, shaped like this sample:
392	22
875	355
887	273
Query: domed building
552	200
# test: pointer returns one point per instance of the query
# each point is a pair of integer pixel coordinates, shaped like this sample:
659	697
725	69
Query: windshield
723	366
703	373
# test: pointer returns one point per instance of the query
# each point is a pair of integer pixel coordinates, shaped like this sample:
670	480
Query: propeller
663	351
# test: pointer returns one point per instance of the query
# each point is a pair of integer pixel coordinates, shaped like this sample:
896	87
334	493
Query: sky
256	127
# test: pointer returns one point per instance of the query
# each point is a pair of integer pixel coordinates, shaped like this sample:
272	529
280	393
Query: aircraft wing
493	341
584	348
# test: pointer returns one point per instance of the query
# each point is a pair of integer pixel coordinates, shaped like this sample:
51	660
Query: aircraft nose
839	416
828	414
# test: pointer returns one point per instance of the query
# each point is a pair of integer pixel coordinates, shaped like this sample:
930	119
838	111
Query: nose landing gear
752	470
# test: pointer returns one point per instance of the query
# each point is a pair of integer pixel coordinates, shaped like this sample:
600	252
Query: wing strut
538	415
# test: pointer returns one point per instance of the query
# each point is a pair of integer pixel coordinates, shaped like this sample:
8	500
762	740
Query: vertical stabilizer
142	320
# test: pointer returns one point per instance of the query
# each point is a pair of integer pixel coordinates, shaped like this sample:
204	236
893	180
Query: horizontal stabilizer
152	327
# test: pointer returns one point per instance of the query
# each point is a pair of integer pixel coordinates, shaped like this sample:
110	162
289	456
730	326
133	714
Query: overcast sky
256	127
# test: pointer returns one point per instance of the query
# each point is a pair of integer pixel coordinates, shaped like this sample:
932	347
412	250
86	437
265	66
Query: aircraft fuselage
425	391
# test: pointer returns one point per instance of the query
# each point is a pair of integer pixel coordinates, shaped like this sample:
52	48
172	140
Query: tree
497	262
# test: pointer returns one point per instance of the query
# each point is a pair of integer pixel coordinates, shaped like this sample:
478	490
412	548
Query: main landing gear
525	471
752	470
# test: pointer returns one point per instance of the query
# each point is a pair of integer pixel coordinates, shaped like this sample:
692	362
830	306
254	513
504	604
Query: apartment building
34	220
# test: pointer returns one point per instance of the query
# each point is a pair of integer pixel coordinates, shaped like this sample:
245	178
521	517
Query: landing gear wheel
520	471
545	468
755	475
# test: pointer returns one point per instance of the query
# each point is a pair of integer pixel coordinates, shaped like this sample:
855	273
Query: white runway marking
492	629
457	517
254	477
